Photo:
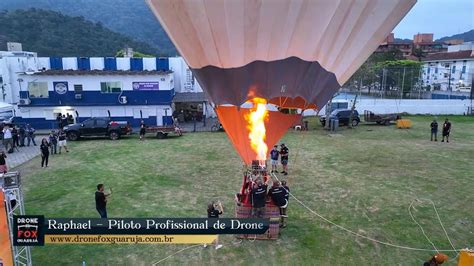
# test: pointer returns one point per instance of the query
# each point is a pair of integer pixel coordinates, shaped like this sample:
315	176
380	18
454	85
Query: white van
7	112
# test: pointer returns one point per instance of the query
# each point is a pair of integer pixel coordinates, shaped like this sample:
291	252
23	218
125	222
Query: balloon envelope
236	127
294	54
276	48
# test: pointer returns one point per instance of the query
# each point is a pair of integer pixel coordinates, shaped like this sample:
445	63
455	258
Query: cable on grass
439	220
179	251
364	236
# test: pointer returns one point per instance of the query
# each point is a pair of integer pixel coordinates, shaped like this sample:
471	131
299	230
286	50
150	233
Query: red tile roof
450	56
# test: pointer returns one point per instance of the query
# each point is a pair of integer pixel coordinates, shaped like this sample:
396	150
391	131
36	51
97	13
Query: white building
12	65
128	89
450	71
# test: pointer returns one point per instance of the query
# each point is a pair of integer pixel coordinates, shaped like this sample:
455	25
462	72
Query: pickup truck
97	127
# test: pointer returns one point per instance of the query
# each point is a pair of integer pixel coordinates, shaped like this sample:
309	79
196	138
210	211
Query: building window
453	70
436	70
38	89
463	69
77	88
429	70
445	75
111	87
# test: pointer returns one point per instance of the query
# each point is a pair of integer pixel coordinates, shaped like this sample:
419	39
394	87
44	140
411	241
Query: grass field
363	178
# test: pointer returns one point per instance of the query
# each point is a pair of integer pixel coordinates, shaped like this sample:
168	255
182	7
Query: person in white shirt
7	138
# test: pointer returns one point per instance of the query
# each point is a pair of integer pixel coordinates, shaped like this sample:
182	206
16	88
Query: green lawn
362	178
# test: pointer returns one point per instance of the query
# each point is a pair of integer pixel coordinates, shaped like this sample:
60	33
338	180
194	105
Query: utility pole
403	83
472	94
384	80
349	124
449	82
420	79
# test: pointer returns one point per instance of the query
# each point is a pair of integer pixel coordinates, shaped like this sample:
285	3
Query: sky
441	17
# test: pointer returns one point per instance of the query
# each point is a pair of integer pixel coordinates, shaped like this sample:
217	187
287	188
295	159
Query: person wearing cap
284	158
274	154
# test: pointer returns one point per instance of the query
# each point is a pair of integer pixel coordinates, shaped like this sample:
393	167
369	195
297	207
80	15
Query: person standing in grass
53	141
213	211
142	130
434	130
101	200
446	130
3	163
44	147
62	140
284	152
274	154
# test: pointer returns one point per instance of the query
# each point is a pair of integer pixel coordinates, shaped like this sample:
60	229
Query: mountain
132	18
52	34
467	36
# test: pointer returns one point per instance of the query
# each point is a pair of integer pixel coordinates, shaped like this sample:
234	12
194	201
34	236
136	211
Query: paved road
23	154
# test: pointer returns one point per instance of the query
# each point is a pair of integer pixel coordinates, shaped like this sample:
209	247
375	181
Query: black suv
344	116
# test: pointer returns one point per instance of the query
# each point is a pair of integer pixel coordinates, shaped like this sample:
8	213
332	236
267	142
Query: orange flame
256	125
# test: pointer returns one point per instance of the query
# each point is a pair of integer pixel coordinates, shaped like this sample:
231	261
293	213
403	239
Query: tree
368	74
401	73
121	53
418	53
53	34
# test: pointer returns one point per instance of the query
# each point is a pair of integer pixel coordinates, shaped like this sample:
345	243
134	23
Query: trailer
381	119
162	132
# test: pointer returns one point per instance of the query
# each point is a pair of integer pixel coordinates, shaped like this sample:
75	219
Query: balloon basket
272	212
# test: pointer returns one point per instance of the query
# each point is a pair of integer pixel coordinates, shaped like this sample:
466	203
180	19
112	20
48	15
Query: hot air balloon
291	54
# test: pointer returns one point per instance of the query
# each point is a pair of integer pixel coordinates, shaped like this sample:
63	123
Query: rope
423	231
179	251
441	223
363	236
303	135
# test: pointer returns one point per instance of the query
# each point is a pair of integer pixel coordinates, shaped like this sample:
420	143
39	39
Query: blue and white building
130	89
450	71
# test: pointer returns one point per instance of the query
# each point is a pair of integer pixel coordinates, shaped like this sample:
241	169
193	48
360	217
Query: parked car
97	127
344	115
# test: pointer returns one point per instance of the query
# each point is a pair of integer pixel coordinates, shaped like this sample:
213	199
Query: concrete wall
386	106
45	117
